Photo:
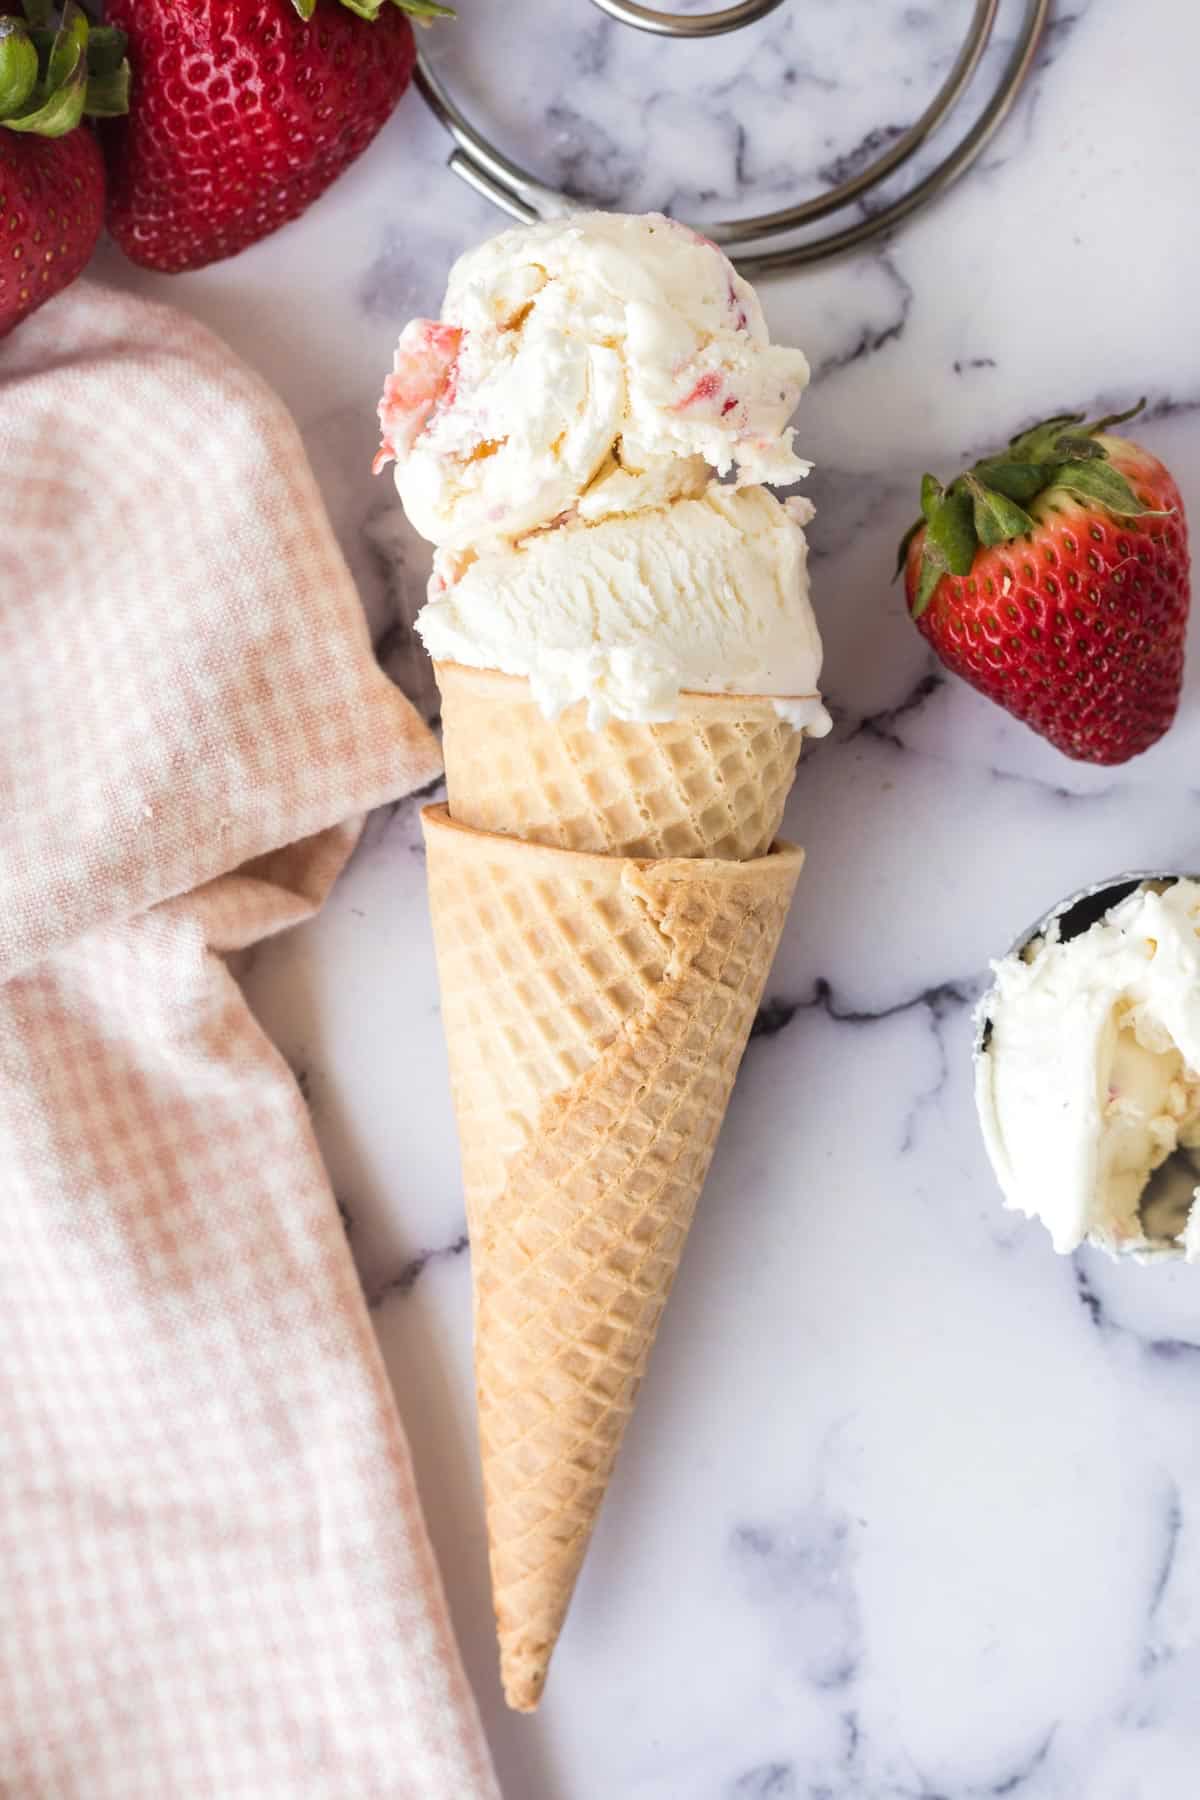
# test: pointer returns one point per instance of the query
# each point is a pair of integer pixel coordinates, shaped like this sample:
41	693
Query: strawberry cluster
56	70
224	119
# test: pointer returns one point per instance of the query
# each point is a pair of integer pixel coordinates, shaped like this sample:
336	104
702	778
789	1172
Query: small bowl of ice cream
1088	1069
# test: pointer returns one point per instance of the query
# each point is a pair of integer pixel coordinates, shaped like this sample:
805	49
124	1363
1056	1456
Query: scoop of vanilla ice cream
591	366
1090	1075
708	594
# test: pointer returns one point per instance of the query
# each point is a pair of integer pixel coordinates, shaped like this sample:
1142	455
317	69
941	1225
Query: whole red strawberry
51	213
242	113
51	169
1054	578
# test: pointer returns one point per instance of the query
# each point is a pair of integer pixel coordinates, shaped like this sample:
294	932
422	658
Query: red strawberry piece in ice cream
424	376
707	388
705	392
737	307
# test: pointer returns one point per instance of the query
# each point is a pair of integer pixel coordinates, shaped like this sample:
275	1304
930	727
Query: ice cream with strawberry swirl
584	436
592	366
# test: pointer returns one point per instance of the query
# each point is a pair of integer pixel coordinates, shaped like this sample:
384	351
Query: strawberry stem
988	505
1118	418
996	518
18	66
52	75
421	10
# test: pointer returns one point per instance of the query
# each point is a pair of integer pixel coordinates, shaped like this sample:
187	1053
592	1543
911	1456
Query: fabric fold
187	677
217	1579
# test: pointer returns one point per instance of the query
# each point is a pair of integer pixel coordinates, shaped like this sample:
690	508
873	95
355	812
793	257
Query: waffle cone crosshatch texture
595	1010
712	781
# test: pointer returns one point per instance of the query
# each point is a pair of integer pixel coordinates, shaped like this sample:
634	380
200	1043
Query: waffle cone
710	782
596	1009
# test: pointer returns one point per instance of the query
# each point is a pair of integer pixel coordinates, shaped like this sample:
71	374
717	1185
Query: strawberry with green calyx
243	113
57	70
1053	577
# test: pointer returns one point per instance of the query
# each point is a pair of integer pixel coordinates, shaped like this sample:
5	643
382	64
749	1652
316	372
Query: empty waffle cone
710	782
596	1009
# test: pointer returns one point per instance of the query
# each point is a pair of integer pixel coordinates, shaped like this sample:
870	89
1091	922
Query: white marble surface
910	1507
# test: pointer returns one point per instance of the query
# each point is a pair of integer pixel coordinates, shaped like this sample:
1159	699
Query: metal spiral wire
753	242
687	25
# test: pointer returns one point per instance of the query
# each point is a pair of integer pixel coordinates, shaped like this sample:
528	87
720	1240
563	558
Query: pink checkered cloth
214	1576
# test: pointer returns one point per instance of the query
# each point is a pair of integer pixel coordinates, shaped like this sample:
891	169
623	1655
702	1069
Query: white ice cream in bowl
587	436
1088	1069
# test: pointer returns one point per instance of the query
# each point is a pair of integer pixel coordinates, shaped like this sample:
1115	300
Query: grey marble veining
910	1507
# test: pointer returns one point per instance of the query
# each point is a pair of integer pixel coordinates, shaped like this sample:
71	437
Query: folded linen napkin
214	1575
